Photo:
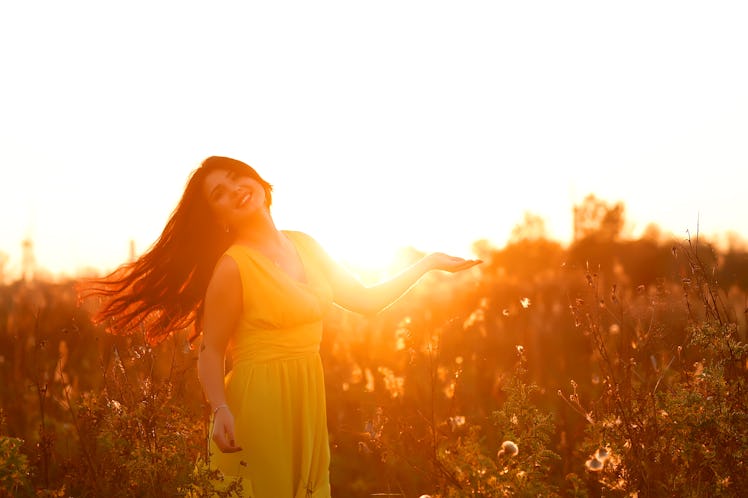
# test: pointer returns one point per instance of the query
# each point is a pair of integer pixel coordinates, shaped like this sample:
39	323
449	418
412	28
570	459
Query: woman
257	295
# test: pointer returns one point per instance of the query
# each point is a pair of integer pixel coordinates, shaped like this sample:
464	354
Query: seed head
602	454
594	465
508	448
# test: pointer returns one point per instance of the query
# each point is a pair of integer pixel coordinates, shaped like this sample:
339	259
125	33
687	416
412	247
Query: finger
227	446
232	443
224	439
466	264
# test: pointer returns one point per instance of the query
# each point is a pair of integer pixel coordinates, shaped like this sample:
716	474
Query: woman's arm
223	305
351	294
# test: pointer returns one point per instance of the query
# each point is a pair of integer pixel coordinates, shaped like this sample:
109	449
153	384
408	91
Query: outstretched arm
351	294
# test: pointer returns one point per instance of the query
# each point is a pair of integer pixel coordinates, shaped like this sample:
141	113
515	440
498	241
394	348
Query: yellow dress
275	388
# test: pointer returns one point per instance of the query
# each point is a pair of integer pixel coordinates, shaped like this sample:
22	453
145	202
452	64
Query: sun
369	258
373	229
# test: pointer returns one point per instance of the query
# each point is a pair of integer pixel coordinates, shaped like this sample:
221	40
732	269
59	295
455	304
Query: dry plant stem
432	421
41	392
697	268
602	349
432	373
74	416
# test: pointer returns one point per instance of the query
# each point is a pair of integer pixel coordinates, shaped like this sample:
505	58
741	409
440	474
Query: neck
260	232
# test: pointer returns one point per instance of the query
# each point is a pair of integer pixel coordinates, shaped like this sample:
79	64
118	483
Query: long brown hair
163	290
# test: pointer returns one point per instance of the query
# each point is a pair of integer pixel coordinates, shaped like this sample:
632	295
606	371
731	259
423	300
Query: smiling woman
258	295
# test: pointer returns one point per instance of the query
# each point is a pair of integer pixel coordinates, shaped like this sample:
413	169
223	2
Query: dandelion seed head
594	465
508	448
602	454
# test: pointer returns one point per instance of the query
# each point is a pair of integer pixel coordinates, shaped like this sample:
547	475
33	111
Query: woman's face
233	198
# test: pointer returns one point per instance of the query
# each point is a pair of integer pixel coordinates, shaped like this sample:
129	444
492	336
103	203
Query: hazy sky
381	124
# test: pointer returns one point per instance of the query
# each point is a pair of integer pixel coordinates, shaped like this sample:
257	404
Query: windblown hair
163	291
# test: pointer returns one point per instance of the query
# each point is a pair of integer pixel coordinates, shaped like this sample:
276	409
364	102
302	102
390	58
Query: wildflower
457	421
508	448
449	390
392	383
369	381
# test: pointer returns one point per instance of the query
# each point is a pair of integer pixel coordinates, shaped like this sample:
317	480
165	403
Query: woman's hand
452	264
223	430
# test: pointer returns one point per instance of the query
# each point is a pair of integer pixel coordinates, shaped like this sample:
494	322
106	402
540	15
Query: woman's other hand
223	431
452	264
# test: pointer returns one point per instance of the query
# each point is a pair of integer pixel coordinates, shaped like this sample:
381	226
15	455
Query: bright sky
381	124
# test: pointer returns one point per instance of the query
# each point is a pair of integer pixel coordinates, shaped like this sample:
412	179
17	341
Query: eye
217	193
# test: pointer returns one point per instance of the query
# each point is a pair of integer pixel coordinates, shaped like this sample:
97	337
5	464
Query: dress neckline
277	268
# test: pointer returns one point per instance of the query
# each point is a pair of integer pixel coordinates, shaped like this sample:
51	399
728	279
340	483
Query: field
611	367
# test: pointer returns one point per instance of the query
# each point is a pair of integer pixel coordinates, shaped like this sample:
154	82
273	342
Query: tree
598	219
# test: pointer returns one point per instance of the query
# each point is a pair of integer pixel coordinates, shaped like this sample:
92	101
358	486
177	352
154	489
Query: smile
245	198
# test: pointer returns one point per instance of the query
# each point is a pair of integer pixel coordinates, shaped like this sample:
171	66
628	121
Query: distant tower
28	260
133	256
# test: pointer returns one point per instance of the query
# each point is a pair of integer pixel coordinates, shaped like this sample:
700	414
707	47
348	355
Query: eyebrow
215	190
